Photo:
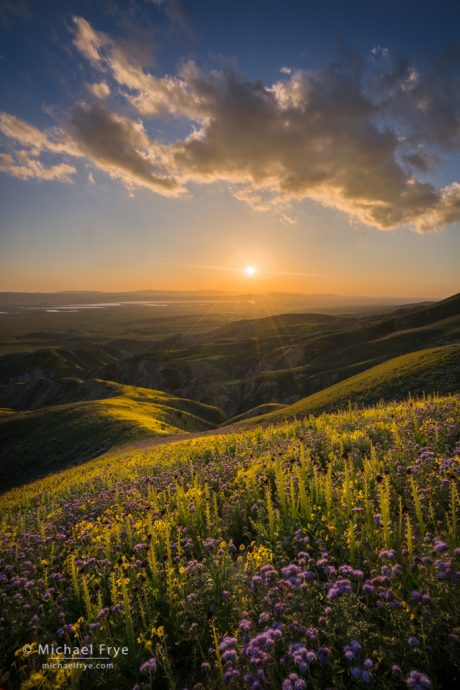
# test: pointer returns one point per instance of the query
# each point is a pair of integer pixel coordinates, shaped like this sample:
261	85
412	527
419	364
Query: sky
169	144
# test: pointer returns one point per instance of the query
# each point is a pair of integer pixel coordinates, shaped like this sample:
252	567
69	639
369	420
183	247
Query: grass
417	373
36	443
321	551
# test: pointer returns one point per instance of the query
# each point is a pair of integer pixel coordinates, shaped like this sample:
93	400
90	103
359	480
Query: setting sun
250	271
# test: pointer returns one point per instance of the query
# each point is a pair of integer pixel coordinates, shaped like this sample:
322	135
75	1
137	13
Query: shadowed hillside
423	372
52	363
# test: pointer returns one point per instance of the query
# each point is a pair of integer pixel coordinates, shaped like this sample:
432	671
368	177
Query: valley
128	380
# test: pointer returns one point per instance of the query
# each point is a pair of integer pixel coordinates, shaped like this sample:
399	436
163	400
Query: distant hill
39	442
235	366
428	313
286	357
72	297
426	371
40	392
54	362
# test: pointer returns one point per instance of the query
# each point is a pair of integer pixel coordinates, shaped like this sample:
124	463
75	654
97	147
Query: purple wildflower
418	681
440	546
149	666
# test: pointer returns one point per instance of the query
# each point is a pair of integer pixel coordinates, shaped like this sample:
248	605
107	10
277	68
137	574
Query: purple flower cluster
301	656
292	616
293	682
352	650
349	571
338	588
296	576
264	576
149	666
229	658
258	647
440	546
359	671
418	681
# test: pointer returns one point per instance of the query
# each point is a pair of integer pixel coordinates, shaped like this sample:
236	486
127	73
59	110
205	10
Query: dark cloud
118	146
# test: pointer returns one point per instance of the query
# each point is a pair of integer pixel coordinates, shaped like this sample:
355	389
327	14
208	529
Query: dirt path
175	438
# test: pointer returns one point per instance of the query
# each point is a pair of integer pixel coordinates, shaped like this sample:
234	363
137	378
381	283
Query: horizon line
225	292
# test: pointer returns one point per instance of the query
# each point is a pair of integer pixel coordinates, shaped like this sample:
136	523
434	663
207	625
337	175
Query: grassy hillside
36	443
51	363
240	365
427	371
38	393
283	358
256	412
320	552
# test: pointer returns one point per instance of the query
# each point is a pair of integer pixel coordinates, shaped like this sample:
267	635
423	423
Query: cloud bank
361	135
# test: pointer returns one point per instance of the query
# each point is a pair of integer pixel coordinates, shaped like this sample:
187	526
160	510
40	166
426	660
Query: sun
250	271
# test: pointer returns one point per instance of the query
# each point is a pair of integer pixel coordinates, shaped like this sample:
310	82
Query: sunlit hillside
426	371
35	443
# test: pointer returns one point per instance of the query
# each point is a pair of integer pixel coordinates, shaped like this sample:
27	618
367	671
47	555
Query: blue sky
117	196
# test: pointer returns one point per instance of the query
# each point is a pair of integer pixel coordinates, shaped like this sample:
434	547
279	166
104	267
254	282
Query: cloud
149	95
114	144
24	162
21	165
311	136
53	140
119	147
88	41
360	135
99	89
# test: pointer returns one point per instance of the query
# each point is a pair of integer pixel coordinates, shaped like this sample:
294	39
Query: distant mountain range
33	299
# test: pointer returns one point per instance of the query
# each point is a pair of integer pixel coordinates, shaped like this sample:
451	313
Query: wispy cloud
21	164
115	144
13	9
53	140
359	135
175	11
149	95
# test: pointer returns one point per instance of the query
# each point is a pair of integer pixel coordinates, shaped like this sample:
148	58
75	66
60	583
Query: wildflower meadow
321	553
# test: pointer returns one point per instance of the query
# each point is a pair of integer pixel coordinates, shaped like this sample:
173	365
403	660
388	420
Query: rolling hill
426	371
61	407
38	442
281	359
239	365
54	363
